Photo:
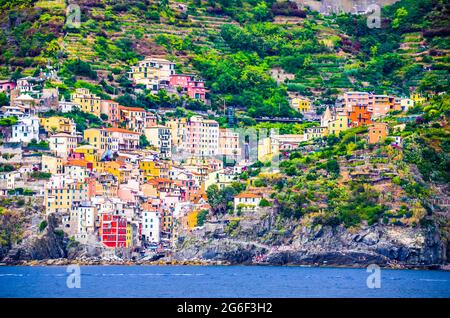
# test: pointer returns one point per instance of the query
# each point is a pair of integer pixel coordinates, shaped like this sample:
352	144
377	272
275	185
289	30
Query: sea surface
218	281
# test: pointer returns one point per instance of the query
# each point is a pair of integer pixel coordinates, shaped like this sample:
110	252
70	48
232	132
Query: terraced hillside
325	55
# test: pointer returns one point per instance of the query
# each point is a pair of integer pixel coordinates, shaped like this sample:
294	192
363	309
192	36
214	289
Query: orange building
377	133
360	116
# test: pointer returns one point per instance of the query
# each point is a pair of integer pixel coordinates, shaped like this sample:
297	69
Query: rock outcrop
50	244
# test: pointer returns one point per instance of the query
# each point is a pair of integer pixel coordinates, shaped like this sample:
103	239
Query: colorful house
56	124
62	144
301	105
89	103
377	133
113	231
360	116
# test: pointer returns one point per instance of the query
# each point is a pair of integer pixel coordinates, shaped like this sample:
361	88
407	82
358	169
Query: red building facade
113	230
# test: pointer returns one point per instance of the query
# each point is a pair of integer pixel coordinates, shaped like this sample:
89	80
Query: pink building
195	89
180	80
355	99
7	86
202	137
229	143
111	109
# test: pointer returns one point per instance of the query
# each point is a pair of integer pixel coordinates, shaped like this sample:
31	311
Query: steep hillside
234	45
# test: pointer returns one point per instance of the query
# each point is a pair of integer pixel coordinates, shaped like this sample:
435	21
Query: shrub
42	225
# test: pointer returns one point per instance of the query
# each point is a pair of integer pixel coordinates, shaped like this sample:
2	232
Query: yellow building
177	130
89	152
149	169
61	194
264	149
113	167
129	235
418	98
56	124
89	103
300	104
52	164
338	124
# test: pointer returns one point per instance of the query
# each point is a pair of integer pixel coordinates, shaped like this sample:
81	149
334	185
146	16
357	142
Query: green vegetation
221	200
42	225
8	121
41	145
201	217
40	175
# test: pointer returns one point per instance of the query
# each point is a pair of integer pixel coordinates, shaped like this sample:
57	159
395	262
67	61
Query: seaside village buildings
111	191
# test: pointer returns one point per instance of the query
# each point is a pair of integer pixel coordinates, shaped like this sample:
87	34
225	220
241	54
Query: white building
150	226
406	104
82	221
160	137
67	107
62	144
247	201
25	130
152	72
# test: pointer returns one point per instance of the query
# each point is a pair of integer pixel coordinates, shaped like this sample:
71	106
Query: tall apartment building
377	105
111	109
177	128
202	137
113	230
136	118
62	192
229	143
112	139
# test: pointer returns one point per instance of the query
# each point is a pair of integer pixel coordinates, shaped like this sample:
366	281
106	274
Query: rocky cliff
393	246
49	244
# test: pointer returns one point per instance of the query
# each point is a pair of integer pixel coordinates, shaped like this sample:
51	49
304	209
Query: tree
201	217
4	100
400	15
143	141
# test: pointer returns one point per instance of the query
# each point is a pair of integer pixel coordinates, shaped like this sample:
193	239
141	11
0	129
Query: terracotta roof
134	109
248	195
77	162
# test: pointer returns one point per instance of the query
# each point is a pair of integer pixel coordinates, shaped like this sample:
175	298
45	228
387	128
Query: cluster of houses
112	191
107	188
157	73
354	109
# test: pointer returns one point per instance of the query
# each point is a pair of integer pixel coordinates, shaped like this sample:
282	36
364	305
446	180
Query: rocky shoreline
102	262
198	262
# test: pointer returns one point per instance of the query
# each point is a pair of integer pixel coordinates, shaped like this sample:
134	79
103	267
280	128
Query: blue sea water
219	281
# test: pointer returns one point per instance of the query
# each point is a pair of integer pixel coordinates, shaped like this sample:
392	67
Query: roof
62	134
133	109
121	130
25	97
160	180
248	195
77	162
